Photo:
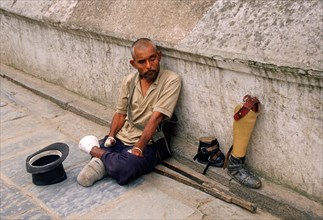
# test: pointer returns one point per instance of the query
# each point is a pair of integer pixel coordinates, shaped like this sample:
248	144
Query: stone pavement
30	122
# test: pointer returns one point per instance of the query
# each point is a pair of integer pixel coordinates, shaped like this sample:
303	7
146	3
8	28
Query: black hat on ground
46	164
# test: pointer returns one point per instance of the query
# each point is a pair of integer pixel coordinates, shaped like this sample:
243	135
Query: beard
150	75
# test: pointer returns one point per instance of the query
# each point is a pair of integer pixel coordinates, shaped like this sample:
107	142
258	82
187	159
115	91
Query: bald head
146	58
141	44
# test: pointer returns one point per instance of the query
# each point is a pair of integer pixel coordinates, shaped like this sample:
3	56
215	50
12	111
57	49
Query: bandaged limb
88	142
109	142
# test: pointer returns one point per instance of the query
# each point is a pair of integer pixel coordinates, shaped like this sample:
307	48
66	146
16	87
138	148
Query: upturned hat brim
46	165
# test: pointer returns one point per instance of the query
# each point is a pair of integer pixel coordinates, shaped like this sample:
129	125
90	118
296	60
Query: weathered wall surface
222	50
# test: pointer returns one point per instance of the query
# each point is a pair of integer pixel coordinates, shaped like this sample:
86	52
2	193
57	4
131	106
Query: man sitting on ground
128	152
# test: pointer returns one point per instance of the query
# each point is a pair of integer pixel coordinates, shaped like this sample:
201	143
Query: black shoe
209	153
238	171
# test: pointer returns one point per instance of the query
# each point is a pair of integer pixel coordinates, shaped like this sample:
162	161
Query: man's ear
133	63
159	55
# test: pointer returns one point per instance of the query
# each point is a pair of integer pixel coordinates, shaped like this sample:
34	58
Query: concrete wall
222	50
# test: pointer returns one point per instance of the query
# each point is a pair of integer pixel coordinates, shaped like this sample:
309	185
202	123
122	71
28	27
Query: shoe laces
246	171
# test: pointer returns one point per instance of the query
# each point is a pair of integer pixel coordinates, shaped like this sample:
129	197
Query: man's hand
110	141
136	151
88	142
147	134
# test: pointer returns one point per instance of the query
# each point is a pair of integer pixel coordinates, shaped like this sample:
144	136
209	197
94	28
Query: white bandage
109	142
88	142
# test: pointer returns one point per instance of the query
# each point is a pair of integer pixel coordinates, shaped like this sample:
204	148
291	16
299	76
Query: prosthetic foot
244	120
209	153
239	172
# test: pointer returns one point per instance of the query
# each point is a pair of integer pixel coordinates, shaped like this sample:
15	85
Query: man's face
146	60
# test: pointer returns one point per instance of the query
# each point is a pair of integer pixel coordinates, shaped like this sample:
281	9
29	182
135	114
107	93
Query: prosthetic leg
245	116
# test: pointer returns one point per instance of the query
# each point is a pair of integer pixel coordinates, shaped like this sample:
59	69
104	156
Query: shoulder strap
159	133
132	89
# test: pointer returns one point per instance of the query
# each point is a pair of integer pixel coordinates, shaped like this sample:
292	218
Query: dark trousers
124	166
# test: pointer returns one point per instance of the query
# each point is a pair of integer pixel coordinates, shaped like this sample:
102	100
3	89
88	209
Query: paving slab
68	198
14	205
149	203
